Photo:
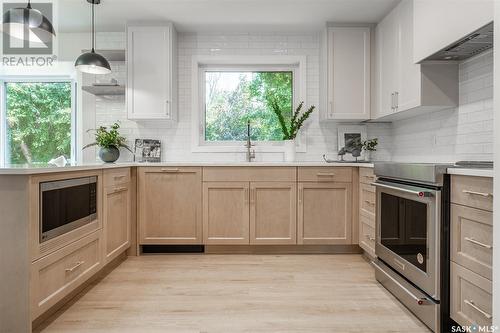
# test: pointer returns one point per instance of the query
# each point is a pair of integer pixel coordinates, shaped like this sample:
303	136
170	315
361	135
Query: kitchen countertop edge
471	172
34	170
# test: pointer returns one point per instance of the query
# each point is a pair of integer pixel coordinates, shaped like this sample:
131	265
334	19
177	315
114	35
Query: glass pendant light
92	62
15	19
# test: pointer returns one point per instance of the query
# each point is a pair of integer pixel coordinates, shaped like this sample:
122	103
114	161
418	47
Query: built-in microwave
66	205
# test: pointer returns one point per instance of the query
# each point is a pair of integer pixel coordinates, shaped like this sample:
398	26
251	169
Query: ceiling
239	15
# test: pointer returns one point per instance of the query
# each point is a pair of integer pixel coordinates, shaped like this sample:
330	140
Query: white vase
290	150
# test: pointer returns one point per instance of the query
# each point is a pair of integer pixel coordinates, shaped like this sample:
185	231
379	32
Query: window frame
36	79
202	64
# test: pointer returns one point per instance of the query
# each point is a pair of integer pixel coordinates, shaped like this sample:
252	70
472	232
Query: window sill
259	147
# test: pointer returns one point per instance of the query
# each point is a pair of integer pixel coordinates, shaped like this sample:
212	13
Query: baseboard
283	249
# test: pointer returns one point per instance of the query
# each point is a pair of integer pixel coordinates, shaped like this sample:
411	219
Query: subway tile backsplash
455	134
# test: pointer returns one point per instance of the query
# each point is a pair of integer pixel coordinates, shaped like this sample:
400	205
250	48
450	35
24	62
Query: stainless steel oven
66	205
408	235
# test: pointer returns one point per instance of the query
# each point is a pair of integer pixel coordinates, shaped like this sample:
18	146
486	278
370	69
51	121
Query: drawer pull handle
486	195
119	189
170	170
473	241
78	264
118	177
478	309
370	238
324	174
370	203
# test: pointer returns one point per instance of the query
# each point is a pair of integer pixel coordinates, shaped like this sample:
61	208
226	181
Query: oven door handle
421	194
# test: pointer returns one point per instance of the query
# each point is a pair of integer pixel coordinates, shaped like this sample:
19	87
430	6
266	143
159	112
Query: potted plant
290	126
368	146
109	142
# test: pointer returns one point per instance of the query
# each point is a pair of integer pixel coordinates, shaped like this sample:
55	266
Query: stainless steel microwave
66	205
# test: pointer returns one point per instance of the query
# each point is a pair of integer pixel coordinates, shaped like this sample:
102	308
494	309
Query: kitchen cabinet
403	88
346	60
438	24
226	217
324	213
170	205
273	211
151	72
117	213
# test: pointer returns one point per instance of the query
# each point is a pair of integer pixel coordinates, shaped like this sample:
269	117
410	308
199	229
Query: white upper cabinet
346	74
438	24
403	88
151	72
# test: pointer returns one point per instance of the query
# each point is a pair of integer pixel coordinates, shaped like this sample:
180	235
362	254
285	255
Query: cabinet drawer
249	174
115	177
57	274
366	175
471	297
367	237
472	239
475	192
325	174
367	200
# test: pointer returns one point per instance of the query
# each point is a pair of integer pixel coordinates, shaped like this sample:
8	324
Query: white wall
176	137
463	133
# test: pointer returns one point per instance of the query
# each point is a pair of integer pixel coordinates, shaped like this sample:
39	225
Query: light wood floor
237	293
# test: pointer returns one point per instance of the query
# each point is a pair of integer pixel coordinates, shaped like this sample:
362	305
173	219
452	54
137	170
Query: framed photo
349	136
148	150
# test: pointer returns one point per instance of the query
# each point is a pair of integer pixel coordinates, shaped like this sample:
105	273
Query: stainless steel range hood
469	46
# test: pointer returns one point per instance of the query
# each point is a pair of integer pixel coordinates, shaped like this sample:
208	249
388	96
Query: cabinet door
116	220
170	206
149	56
348	73
325	212
273	213
386	37
408	75
226	213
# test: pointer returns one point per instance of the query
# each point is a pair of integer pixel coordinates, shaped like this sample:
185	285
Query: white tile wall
321	137
463	133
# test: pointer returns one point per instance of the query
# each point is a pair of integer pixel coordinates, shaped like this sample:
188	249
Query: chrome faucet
249	145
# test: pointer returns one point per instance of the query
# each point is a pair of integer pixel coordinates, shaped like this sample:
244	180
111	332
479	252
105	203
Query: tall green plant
290	128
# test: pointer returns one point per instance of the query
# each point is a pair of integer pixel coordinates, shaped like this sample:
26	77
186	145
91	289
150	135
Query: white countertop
471	172
16	169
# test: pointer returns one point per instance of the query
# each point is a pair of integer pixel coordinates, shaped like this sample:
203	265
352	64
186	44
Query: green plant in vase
368	146
109	142
290	125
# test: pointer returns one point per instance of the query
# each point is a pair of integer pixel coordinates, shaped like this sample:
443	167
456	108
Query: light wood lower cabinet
57	274
273	212
116	223
170	205
324	213
226	218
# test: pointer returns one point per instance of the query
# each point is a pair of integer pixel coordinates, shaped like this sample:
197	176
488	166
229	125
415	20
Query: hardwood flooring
236	293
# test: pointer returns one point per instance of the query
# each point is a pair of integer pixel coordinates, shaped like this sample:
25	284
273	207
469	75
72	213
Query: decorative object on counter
291	127
350	140
109	143
368	146
60	161
92	62
148	149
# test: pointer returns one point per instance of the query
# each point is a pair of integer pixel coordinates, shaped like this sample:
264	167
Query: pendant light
92	62
15	20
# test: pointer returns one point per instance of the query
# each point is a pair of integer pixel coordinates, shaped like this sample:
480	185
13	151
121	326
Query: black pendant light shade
92	62
16	18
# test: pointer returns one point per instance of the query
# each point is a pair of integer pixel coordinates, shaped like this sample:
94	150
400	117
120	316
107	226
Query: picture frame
346	135
148	150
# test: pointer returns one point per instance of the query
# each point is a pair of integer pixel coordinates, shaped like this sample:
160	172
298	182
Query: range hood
474	43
